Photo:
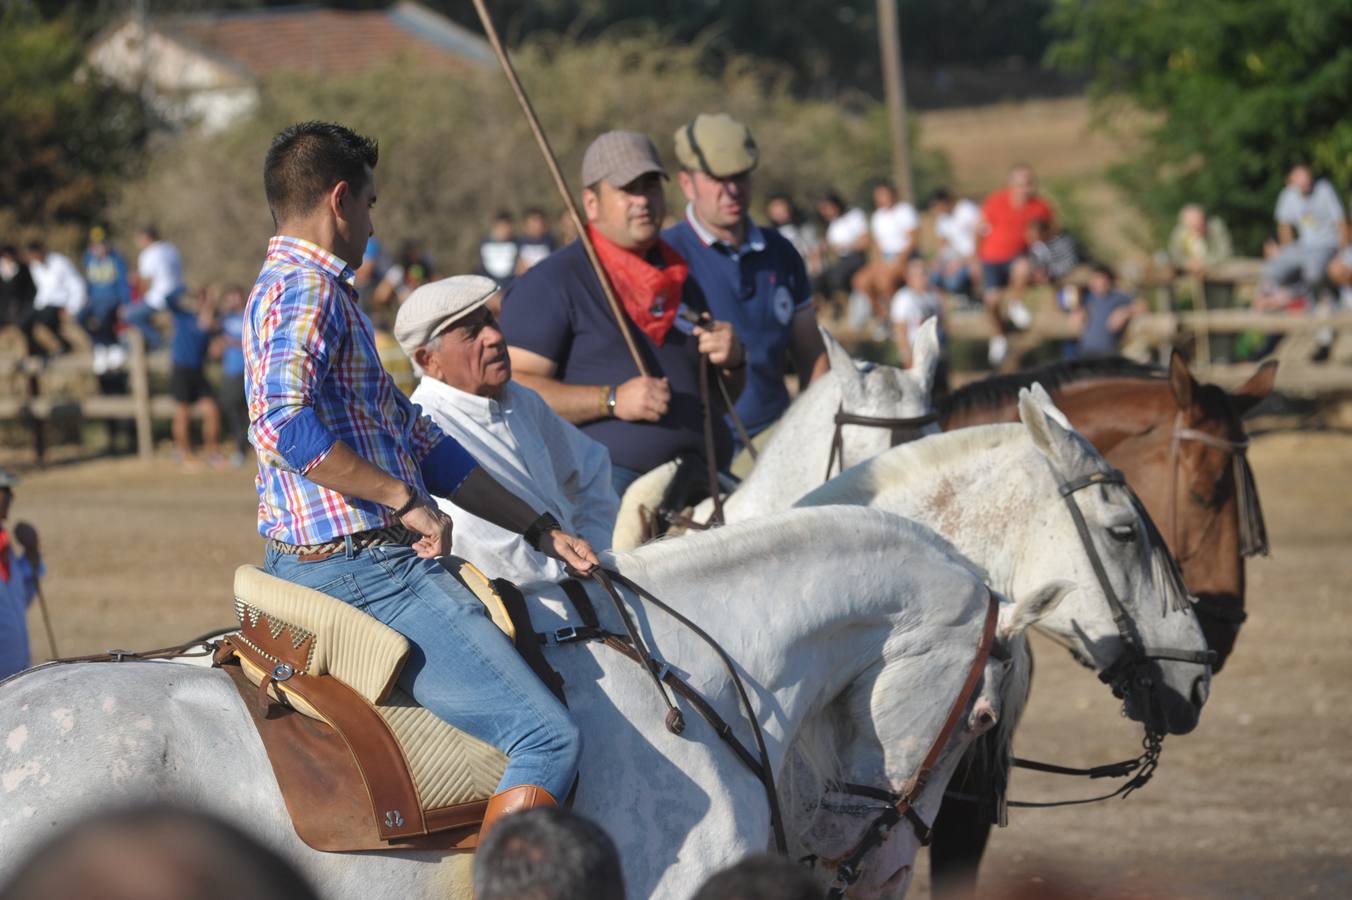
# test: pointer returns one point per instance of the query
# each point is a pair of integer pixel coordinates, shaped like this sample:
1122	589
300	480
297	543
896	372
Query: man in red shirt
1005	217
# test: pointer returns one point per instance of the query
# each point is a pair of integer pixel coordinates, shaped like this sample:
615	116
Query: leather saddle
361	766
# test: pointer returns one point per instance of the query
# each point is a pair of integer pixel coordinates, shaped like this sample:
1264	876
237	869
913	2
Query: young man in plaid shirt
346	465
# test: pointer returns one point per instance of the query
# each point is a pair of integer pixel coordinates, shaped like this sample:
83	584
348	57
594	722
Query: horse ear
1045	423
1181	380
1256	389
842	364
1031	609
925	353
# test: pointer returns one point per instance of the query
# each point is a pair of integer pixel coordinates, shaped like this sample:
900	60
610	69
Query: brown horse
1180	445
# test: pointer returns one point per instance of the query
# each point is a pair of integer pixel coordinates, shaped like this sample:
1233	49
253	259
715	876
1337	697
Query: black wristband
414	500
537	530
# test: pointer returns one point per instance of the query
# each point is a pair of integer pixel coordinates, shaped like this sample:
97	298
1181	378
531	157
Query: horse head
1129	616
868	736
1207	503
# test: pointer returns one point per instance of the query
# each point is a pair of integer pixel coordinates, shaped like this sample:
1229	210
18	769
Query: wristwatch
610	402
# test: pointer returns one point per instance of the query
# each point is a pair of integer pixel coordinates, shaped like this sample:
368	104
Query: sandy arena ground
1255	803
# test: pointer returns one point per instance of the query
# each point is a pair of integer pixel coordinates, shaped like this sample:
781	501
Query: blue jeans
138	315
461	667
621	478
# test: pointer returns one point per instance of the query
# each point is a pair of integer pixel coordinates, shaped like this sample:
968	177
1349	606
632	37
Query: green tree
1238	90
66	137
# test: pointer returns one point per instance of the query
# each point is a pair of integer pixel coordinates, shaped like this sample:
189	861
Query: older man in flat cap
447	328
565	343
751	277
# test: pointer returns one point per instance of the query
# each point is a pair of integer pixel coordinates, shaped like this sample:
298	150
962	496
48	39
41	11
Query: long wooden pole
559	182
889	40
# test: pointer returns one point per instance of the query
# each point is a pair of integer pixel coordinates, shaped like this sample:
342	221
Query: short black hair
533	211
761	877
503	215
1105	270
834	199
306	160
547	854
939	195
149	231
36	244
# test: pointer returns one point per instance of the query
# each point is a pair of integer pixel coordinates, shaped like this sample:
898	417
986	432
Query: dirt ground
1255	803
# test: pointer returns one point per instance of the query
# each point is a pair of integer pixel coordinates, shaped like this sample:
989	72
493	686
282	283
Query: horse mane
999	390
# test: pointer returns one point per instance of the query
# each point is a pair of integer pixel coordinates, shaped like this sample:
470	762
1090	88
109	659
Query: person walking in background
892	227
19	576
1005	269
194	321
61	294
750	276
1311	229
109	293
957	222
230	341
1102	316
159	272
536	241
499	252
16	287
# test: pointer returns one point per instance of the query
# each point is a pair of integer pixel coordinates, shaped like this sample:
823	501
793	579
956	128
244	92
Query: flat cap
618	157
718	145
433	307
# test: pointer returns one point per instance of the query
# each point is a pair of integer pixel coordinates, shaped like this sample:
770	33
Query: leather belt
390	534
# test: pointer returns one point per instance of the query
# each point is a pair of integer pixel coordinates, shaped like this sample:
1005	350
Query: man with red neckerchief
565	344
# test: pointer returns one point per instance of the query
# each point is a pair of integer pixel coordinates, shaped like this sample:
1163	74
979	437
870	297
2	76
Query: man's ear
590	203
687	182
339	195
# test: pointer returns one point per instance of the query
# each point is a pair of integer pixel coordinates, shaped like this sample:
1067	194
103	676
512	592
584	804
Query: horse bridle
1253	532
901	804
896	425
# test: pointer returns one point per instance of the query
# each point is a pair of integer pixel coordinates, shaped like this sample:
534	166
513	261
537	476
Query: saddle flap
318	634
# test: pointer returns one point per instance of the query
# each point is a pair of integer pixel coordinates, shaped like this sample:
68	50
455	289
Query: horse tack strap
1253	530
895	425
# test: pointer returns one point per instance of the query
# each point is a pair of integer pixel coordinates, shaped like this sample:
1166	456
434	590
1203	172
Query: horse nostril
1201	690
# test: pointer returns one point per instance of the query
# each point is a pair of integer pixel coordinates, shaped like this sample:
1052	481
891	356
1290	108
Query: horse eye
1124	533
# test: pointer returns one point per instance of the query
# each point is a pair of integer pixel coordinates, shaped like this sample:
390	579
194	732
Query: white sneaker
997	349
100	359
117	357
1019	316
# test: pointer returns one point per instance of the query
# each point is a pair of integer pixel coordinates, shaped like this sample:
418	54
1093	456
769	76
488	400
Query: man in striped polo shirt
346	465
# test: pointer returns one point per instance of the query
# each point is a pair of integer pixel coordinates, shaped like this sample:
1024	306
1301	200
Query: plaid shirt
313	377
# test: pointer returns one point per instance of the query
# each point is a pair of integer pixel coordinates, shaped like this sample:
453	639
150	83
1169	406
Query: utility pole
889	41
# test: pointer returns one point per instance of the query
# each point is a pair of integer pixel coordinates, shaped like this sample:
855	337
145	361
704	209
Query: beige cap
618	157
718	145
437	305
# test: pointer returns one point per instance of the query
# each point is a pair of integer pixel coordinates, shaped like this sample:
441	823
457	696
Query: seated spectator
1197	242
1102	315
194	321
956	223
233	404
912	306
499	252
109	292
16	287
1005	269
411	269
154	853
1311	227
159	276
892	227
761	877
804	236
535	242
447	329
548	854
847	243
60	295
1052	253
19	576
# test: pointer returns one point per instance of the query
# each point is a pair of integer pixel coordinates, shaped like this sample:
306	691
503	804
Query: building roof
315	39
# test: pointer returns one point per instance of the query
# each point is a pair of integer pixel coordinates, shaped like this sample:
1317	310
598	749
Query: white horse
794	459
852	628
994	491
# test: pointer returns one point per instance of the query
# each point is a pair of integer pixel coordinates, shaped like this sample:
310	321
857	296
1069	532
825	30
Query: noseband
896	426
901	804
1253	540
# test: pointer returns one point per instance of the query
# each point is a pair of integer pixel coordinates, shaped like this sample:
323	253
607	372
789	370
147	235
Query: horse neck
1111	411
793	461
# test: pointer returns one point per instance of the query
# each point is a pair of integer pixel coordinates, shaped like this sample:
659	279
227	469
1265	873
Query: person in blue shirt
231	399
194	320
750	276
1102	315
109	290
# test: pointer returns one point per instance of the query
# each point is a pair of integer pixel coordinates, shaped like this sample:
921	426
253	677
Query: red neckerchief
4	555
651	296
